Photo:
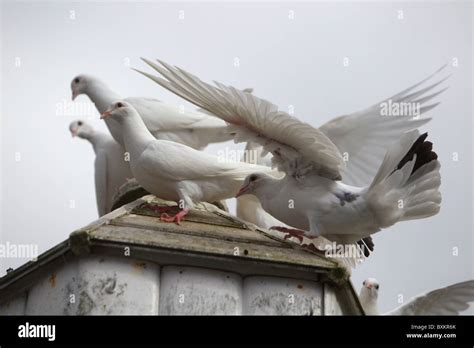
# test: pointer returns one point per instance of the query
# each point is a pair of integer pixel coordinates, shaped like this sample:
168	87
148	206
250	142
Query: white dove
174	171
311	197
164	121
248	207
111	168
449	300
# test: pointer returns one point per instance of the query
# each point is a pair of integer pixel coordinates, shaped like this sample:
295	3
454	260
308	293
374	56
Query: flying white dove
111	169
444	301
164	121
174	171
312	197
362	137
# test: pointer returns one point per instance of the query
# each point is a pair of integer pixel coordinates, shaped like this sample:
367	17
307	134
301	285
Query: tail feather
411	190
422	150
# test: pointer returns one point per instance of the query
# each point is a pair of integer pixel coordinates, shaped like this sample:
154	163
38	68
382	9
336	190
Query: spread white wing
445	301
364	136
298	148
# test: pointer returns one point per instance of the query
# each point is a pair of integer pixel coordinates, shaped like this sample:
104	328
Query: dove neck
101	95
95	138
368	303
136	136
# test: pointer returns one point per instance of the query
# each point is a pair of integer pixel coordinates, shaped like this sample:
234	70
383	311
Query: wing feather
297	147
445	301
368	132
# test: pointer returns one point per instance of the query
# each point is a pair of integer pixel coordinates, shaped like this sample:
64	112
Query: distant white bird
444	301
111	168
164	121
311	197
174	171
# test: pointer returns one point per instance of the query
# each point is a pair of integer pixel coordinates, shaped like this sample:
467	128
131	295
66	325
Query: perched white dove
248	207
403	185
174	171
111	168
444	301
164	121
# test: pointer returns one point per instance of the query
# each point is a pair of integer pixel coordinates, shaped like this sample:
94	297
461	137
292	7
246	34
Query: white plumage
175	171
164	121
449	300
311	196
111	169
248	207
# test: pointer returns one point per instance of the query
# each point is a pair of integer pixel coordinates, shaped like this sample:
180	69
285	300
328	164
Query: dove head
119	111
368	296
253	184
79	84
80	129
370	288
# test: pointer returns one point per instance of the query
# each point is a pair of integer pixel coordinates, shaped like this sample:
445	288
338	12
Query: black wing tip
424	153
367	245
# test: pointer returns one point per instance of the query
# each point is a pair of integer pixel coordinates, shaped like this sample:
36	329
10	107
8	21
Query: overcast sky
292	54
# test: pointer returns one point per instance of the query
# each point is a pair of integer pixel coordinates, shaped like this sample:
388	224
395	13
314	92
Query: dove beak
106	114
73	134
242	191
74	95
369	286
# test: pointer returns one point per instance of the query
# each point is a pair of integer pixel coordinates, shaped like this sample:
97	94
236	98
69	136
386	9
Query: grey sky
49	192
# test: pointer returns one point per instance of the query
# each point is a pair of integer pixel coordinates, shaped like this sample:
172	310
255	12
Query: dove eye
79	123
253	178
76	80
119	105
377	286
363	283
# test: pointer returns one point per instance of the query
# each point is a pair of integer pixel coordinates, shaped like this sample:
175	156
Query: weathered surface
117	286
331	304
129	262
14	307
281	296
197	291
51	294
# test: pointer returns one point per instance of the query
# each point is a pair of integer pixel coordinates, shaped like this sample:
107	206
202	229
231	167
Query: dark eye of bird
253	178
377	287
79	123
119	105
76	80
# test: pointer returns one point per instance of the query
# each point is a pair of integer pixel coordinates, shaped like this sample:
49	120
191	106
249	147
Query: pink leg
311	247
177	218
290	232
160	209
